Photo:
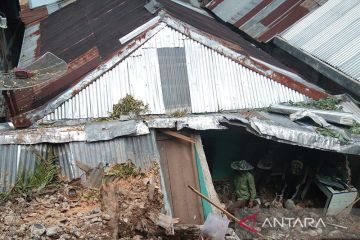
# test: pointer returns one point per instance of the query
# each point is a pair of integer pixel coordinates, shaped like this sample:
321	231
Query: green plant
323	104
44	174
128	105
355	129
179	113
331	133
124	170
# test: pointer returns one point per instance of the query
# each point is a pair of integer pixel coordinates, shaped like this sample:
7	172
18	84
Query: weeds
44	175
355	129
124	170
179	113
323	104
331	133
128	105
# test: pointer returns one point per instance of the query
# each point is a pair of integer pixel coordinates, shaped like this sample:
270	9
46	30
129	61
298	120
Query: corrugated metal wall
331	34
174	78
2	107
20	159
215	82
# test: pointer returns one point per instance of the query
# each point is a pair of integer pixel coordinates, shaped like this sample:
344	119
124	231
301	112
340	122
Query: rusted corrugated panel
77	29
32	16
262	19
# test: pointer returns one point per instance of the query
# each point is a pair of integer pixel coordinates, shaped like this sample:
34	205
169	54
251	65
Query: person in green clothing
245	190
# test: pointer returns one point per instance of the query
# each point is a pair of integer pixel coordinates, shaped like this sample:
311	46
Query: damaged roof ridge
215	43
227	48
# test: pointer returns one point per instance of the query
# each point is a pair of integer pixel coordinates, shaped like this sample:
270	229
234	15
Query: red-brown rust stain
252	13
286	81
33	16
280	13
213	4
284	23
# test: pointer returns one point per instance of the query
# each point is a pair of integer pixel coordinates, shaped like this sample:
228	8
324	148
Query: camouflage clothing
245	186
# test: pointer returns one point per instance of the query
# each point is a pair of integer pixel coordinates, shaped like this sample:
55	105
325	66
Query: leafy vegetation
124	170
44	175
331	133
355	129
323	104
128	105
179	113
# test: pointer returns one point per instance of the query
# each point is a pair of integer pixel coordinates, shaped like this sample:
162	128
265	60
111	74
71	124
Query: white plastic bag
215	226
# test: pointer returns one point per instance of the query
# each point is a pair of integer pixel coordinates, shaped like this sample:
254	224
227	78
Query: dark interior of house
222	147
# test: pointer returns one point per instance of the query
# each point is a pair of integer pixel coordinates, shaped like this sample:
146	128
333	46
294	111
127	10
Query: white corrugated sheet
215	82
332	34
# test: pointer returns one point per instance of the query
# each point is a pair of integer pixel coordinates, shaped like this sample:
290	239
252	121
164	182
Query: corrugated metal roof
262	19
90	37
20	159
331	34
215	82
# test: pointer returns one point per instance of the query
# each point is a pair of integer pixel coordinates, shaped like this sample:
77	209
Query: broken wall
20	159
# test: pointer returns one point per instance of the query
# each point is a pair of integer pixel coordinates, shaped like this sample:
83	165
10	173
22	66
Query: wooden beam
178	135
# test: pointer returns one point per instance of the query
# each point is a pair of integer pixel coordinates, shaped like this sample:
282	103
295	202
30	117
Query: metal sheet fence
17	160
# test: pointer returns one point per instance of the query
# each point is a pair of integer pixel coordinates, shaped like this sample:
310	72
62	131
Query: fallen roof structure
327	40
105	61
262	19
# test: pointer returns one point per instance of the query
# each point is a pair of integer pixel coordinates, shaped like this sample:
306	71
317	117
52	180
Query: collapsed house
212	99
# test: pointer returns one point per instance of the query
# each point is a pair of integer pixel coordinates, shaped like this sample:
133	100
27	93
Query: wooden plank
178	158
178	135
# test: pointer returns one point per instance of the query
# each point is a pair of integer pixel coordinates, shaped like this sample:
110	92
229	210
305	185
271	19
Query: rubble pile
134	204
294	222
124	207
54	216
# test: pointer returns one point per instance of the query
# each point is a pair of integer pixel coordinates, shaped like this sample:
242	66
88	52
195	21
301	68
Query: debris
163	221
324	104
53	231
94	176
37	230
289	204
215	226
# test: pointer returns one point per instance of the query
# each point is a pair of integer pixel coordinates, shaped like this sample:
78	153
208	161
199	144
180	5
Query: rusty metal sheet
262	19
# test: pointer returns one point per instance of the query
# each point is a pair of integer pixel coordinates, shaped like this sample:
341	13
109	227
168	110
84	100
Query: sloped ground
126	206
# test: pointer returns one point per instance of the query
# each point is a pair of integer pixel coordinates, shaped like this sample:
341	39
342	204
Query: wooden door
179	170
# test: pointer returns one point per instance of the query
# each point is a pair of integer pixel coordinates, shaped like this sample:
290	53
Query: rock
22	228
334	233
319	231
106	217
9	219
65	236
289	204
94	220
230	232
312	233
53	231
37	229
95	215
96	210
